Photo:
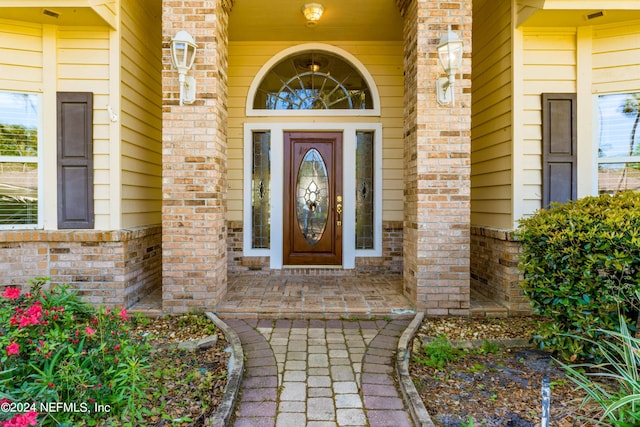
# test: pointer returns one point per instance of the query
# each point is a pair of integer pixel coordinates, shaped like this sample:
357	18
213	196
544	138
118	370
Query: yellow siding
491	135
384	60
21	53
83	66
549	66
141	112
78	58
616	58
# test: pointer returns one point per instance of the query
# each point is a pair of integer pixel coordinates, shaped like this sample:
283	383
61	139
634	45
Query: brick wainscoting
389	263
494	268
112	268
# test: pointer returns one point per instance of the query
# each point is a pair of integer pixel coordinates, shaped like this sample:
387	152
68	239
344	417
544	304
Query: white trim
584	83
621	159
595	143
375	95
49	127
517	118
349	253
115	142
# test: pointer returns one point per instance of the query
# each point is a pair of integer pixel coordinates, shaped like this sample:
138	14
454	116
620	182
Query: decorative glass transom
313	80
312	196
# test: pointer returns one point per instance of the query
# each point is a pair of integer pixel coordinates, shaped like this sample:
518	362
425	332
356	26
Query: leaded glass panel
260	191
313	80
364	190
312	191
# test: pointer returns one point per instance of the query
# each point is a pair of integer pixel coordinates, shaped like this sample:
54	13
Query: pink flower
32	316
13	348
35	311
22	420
123	315
25	321
11	293
89	331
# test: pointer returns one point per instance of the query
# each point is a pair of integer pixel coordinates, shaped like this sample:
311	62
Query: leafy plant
581	260
55	349
477	368
488	347
437	353
468	423
615	383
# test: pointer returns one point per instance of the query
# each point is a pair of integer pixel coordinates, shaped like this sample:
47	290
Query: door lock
339	211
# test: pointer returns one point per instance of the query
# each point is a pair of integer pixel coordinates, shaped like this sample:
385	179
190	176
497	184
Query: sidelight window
364	190
261	190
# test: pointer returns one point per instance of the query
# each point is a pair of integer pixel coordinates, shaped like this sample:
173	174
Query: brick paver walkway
319	373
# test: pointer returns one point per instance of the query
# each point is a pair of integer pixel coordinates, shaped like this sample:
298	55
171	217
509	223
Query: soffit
66	16
280	20
576	13
579	18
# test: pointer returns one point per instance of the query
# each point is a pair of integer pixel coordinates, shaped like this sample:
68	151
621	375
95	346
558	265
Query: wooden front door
313	198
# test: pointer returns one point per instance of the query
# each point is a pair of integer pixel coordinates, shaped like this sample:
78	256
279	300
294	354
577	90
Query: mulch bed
186	385
501	388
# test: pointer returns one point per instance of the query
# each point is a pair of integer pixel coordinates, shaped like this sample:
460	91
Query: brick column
194	160
437	162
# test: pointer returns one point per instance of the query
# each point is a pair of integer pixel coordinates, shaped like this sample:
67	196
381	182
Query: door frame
277	129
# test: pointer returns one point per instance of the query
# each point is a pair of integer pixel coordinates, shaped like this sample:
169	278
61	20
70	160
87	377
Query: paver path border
224	412
320	373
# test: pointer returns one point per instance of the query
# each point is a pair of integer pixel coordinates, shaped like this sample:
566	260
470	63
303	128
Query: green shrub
57	350
581	261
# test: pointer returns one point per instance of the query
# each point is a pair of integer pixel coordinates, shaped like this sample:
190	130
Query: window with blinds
19	168
618	142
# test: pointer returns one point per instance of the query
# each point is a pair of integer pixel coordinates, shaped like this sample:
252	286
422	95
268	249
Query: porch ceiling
279	20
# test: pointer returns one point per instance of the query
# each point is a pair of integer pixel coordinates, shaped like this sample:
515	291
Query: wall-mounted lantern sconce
312	13
450	56
183	52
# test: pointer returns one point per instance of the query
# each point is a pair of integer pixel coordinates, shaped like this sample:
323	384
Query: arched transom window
313	80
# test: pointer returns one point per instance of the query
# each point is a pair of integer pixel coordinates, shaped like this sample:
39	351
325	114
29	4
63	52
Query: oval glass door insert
312	197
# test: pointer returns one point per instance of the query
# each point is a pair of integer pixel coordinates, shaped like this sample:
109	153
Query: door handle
339	211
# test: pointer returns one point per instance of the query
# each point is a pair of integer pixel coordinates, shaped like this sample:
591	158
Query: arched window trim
266	68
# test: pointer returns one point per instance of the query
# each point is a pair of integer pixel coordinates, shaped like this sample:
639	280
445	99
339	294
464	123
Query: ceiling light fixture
312	12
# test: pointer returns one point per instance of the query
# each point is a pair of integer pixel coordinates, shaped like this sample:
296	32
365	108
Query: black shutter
559	147
75	160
